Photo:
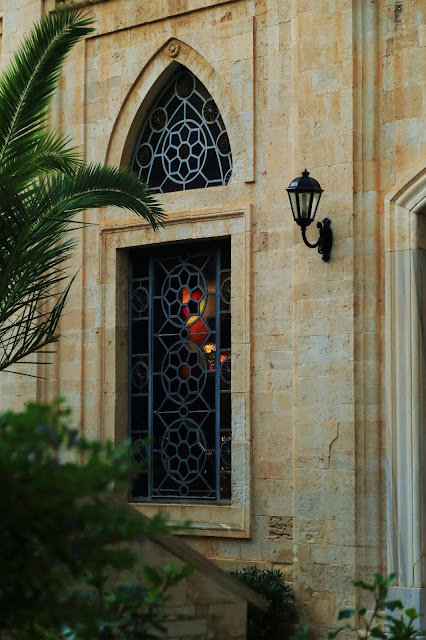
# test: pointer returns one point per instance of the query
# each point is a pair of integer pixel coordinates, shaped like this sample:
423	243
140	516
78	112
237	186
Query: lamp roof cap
305	183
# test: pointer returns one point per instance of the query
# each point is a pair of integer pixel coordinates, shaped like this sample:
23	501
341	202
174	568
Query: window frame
118	236
155	145
142	323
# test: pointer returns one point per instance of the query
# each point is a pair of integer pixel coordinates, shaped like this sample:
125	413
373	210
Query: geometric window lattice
183	142
180	372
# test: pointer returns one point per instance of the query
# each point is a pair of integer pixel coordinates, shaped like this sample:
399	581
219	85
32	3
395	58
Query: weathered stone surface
280	527
338	87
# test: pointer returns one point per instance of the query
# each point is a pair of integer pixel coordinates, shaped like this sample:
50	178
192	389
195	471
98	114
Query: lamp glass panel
293	201
315	202
304	200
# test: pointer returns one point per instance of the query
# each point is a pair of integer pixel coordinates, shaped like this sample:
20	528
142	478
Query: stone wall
337	86
206	604
198	607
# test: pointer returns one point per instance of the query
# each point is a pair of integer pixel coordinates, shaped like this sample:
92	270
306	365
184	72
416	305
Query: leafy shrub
66	536
270	584
387	619
382	618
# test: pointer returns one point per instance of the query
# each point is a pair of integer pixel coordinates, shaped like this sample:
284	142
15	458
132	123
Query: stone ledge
188	555
76	4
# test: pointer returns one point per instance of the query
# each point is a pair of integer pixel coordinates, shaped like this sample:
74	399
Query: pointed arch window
183	143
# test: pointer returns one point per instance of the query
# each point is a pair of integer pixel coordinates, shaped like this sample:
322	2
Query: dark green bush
66	536
269	583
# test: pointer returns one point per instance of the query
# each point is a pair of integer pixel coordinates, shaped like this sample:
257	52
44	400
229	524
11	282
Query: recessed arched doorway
405	364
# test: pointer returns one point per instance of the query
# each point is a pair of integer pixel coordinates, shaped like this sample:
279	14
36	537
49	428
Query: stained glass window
180	372
183	143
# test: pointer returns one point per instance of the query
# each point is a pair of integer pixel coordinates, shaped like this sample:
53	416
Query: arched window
183	143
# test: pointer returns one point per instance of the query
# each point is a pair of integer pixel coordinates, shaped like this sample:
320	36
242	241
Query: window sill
218	520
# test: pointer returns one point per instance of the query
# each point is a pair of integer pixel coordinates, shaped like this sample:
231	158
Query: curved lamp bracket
325	240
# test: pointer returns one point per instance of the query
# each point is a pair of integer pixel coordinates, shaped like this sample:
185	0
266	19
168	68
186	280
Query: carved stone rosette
173	49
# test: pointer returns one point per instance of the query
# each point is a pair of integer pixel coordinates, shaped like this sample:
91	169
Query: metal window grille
180	372
183	143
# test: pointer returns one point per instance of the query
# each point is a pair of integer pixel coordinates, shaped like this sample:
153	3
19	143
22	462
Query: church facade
281	395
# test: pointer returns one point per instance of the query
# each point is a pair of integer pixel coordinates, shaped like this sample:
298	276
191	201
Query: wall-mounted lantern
305	193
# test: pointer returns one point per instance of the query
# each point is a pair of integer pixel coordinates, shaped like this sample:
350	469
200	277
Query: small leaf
186	571
302	634
346	613
151	574
170	569
364	585
411	613
393	604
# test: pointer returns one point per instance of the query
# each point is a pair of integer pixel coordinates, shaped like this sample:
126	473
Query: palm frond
43	185
28	83
31	330
51	152
35	246
61	196
30	273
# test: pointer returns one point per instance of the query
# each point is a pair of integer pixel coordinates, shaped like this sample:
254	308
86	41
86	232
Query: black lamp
305	193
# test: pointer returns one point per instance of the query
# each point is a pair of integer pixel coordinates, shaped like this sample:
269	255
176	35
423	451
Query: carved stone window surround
117	237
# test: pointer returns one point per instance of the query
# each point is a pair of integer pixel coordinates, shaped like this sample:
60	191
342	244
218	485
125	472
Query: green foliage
66	536
384	619
270	584
43	185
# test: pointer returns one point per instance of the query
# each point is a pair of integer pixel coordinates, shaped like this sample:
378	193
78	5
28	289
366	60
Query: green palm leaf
94	186
43	185
52	152
27	85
